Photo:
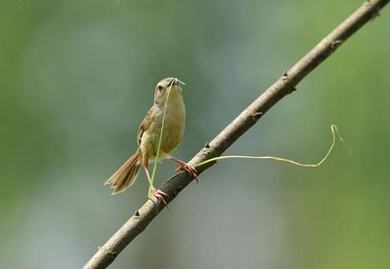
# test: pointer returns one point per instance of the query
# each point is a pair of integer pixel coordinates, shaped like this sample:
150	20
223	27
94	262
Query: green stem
333	129
159	144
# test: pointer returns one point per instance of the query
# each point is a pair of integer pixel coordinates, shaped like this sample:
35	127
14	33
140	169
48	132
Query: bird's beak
177	81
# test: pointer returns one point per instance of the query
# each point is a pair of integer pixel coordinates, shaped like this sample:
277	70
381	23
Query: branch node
113	253
257	115
335	44
291	90
207	146
285	76
203	152
137	214
375	13
368	2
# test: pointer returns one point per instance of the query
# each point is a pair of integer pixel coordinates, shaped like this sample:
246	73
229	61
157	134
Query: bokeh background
76	78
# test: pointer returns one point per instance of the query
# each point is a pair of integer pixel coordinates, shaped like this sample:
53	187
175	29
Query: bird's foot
160	195
190	169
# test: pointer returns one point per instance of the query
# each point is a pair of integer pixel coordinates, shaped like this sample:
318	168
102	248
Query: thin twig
282	87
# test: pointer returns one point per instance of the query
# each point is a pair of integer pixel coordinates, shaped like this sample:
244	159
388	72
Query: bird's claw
160	195
190	169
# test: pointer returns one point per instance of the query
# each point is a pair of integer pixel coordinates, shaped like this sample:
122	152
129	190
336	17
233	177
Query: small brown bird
149	134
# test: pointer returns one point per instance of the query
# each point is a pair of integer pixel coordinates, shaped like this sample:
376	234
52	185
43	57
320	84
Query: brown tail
125	176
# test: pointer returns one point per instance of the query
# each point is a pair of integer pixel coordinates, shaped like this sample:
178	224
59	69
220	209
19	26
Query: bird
168	100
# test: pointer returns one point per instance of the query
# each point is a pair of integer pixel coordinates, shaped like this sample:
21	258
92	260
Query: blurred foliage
76	78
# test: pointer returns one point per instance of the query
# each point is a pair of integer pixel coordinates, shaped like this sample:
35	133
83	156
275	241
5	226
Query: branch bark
282	87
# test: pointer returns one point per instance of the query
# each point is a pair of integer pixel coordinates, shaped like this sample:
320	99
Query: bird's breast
173	127
173	131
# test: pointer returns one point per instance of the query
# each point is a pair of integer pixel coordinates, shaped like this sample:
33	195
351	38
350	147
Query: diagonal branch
282	87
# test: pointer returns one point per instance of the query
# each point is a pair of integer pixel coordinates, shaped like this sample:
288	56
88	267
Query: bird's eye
160	88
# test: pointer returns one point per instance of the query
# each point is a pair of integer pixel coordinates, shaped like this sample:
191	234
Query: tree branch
282	87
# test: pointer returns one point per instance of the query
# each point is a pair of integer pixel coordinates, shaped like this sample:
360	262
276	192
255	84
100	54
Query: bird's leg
185	166
156	192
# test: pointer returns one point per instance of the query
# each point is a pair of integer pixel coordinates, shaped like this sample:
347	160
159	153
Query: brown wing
145	124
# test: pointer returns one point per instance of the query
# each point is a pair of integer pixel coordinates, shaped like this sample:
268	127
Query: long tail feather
126	175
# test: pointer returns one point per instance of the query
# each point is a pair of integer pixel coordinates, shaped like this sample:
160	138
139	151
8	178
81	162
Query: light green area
77	77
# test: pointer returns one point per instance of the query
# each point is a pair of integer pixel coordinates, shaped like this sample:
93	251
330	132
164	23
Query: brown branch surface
282	87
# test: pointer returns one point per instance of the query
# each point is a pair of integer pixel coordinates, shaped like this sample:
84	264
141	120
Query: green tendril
159	144
335	133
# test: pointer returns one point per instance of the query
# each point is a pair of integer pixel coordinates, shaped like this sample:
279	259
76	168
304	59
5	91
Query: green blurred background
76	78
